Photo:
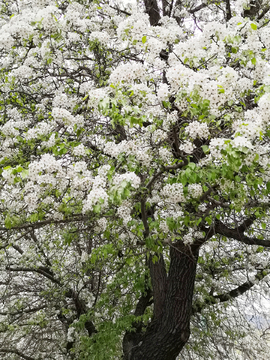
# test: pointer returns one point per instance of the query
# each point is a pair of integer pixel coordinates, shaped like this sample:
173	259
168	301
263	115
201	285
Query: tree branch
42	223
120	10
159	284
197	8
23	311
209	232
240	290
133	337
143	303
79	304
228	10
152	9
17	352
41	270
238	233
264	12
164	169
144	219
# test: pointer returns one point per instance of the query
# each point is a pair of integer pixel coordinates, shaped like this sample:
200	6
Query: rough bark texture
169	330
152	9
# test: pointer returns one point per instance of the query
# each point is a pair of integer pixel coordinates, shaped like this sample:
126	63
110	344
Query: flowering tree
135	178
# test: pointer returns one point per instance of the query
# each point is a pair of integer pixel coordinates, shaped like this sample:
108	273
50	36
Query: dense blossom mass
134	179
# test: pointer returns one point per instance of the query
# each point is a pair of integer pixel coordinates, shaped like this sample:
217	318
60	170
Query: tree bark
152	9
169	330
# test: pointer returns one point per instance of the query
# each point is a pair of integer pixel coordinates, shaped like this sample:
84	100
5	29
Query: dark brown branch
16	247
143	303
144	219
133	337
238	234
238	291
246	224
218	226
159	283
208	192
41	270
167	7
197	8
79	304
81	309
253	10
264	12
120	10
228	10
164	169
34	238
152	9
209	232
219	203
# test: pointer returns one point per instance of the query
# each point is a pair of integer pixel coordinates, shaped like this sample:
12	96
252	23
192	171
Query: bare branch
238	234
264	12
164	169
219	203
228	10
238	291
144	219
120	10
41	270
208	234
197	8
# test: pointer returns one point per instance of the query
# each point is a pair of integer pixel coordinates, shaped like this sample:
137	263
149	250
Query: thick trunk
152	9
170	328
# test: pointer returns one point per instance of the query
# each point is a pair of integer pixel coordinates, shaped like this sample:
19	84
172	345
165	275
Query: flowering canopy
135	168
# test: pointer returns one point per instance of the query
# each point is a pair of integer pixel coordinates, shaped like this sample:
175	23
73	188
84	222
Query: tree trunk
169	330
152	9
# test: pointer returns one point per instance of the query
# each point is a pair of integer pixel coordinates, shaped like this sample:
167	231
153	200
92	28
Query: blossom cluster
128	73
195	190
63	115
173	193
136	148
97	196
129	177
124	211
197	129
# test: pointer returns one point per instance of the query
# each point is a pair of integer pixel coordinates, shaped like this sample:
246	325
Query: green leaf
253	26
205	149
8	222
144	39
253	61
192	165
128	261
97	208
